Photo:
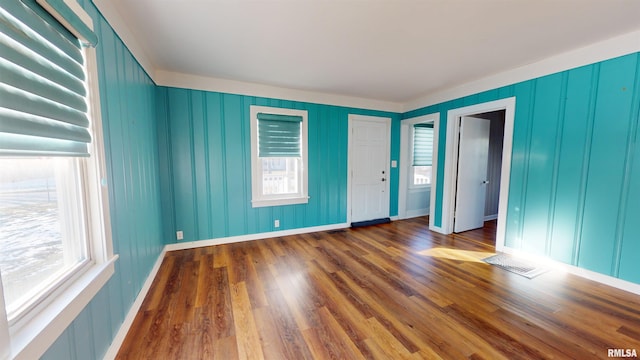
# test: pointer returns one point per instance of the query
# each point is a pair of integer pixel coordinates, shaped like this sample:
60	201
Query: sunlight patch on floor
456	254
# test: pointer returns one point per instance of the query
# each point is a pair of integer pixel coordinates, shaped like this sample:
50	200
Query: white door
369	168
473	155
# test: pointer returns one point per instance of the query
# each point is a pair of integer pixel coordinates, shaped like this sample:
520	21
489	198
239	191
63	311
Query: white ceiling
387	50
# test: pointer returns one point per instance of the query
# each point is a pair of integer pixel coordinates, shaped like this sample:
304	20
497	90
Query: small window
42	232
278	156
422	154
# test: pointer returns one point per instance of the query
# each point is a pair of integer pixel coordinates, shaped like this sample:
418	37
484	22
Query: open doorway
504	109
480	144
418	156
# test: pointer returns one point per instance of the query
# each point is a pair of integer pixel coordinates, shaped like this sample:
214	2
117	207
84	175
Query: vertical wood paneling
519	158
574	178
208	138
217	171
571	165
606	165
630	245
201	163
128	105
541	164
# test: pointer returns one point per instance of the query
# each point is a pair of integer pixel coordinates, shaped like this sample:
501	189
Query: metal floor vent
516	266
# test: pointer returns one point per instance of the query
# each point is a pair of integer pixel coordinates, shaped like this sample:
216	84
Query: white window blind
422	144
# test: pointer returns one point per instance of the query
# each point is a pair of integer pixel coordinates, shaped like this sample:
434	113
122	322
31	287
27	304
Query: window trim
411	174
257	199
31	336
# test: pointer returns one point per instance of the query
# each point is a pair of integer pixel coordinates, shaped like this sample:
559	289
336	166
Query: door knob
383	179
485	182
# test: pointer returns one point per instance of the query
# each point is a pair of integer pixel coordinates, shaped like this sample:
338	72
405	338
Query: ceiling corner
110	12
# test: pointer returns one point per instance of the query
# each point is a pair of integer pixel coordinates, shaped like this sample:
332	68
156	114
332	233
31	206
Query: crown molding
196	82
117	23
618	46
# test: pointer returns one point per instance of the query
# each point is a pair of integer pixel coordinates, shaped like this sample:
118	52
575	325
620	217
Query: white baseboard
584	273
128	321
133	311
258	236
491	217
135	307
415	213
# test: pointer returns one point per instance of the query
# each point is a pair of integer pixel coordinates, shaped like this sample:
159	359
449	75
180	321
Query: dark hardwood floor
392	291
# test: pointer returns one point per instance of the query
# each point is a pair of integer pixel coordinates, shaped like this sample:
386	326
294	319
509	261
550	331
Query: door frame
405	157
451	160
385	120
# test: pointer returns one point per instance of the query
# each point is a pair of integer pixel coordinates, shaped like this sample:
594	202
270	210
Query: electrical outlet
276	223
179	235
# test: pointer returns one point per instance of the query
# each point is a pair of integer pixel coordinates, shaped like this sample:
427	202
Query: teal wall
575	174
205	156
178	159
128	115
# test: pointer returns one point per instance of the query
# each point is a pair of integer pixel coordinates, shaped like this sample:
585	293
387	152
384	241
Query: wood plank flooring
393	291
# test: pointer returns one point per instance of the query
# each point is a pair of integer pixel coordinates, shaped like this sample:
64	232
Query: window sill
32	339
279	202
419	187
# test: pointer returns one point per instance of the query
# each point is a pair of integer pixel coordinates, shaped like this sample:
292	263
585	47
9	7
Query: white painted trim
188	81
403	167
133	311
33	339
96	173
434	174
490	217
117	23
5	339
257	197
416	213
584	273
618	46
434	228
405	138
76	8
451	160
387	121
250	237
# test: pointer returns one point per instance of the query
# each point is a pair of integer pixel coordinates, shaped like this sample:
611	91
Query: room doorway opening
480	143
454	201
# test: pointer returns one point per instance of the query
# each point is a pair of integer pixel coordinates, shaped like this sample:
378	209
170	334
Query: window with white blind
55	248
422	154
278	156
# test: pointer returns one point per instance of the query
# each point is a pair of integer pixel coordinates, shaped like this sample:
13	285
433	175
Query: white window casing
31	334
260	195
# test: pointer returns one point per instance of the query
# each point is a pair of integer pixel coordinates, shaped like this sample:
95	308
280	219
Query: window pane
41	229
280	175
421	175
